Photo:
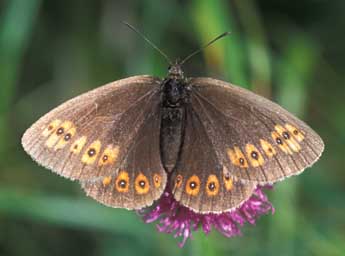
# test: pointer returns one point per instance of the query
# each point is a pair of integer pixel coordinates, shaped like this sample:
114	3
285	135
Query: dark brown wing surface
140	178
200	181
89	136
254	138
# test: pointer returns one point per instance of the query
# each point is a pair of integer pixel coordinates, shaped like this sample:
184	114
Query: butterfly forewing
140	178
89	136
254	138
199	180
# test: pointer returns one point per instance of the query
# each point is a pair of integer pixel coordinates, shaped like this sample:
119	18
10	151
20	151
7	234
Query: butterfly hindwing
140	178
89	136
254	138
199	181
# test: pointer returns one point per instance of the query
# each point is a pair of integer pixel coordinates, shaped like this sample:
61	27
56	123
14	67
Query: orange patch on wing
237	157
109	155
228	182
90	154
141	185
267	148
254	156
47	130
66	138
157	180
122	182
281	143
212	185
78	145
286	135
106	181
298	135
193	185
59	132
178	181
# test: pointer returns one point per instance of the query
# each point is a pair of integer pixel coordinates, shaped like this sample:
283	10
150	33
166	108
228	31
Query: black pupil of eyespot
241	161
59	131
142	183
286	135
279	141
105	158
91	152
192	185
67	136
211	186
254	155
122	183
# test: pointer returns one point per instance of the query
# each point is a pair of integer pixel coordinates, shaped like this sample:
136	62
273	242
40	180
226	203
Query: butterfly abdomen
173	101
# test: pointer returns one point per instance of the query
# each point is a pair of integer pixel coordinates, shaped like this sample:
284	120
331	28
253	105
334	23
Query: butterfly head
175	71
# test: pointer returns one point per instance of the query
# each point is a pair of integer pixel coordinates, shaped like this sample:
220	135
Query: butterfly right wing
89	136
140	178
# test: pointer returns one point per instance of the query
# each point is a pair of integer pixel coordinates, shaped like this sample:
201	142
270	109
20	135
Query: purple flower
178	219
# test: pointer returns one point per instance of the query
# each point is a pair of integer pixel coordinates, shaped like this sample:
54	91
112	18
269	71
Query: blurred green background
50	51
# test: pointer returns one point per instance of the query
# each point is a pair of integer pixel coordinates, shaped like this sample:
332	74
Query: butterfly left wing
140	178
256	139
200	181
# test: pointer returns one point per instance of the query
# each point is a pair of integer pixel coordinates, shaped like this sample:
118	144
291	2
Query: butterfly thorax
174	97
174	88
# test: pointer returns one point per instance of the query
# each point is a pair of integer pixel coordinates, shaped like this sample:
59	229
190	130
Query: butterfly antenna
205	46
148	41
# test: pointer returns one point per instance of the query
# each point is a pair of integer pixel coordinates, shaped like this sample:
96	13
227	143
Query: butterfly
209	142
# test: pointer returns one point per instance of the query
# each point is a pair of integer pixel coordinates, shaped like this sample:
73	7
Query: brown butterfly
209	141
